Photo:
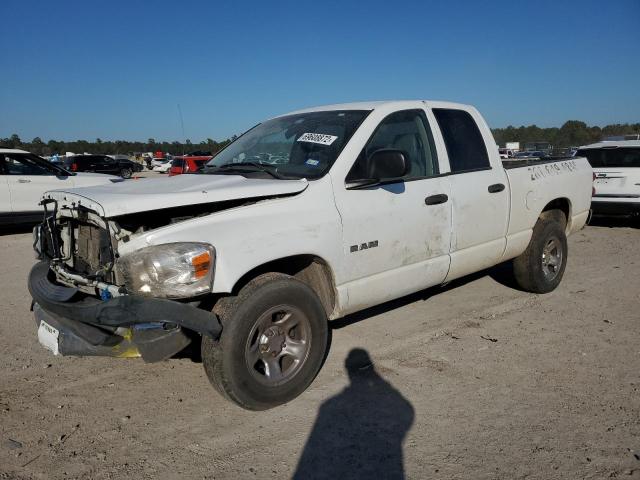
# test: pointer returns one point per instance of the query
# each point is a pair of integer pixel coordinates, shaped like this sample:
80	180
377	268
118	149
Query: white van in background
616	166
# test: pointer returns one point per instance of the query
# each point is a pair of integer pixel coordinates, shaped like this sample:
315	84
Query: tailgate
617	182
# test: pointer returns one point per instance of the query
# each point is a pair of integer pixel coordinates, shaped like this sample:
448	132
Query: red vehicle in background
189	163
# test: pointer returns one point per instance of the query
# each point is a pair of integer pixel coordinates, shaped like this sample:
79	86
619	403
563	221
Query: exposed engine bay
82	246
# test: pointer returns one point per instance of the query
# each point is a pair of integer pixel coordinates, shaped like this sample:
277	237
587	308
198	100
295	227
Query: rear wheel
541	267
272	345
126	173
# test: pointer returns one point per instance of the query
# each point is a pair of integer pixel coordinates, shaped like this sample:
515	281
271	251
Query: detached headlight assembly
171	270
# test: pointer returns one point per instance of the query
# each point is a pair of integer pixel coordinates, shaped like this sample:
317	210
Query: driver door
395	235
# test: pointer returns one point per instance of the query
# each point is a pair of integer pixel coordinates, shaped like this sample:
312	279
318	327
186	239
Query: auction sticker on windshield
317	138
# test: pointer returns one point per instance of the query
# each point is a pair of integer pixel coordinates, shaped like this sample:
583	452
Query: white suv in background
24	177
616	168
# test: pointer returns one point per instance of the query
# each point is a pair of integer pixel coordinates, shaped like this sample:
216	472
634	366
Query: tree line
571	133
107	147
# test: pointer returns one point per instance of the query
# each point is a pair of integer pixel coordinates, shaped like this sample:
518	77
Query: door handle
436	199
496	187
24	180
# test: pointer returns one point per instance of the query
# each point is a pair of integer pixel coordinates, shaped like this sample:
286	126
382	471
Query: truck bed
545	180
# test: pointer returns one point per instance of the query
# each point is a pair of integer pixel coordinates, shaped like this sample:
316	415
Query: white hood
131	196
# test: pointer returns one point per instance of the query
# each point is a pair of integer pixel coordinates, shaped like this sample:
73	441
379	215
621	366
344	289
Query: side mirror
382	165
387	164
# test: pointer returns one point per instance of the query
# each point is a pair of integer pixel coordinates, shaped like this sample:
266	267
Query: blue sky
118	69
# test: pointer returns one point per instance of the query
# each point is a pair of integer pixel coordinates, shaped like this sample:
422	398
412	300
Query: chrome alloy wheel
552	258
278	345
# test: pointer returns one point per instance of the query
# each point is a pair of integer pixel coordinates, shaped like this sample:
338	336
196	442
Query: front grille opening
92	254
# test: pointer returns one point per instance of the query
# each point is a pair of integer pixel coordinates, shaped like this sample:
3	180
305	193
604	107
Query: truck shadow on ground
502	274
358	433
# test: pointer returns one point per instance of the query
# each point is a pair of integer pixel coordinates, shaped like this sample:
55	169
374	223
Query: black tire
228	362
125	173
533	269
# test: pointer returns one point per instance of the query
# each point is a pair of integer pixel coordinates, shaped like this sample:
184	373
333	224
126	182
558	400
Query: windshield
612	157
304	145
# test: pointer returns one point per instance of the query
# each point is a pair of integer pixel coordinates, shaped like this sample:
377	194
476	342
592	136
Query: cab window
407	131
463	140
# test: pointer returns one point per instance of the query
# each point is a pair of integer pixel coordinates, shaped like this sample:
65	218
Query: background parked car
616	168
506	153
157	161
162	166
102	164
186	164
24	177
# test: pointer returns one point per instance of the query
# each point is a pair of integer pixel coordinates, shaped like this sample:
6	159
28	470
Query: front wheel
541	267
125	173
272	345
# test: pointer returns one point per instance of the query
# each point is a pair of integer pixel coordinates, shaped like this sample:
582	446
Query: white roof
382	103
12	150
614	143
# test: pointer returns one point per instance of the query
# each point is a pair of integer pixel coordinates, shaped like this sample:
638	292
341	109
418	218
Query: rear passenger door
86	163
479	193
104	164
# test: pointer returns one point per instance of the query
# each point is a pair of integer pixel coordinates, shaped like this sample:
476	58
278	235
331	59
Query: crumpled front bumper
126	326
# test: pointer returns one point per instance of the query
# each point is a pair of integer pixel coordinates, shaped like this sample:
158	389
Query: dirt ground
473	380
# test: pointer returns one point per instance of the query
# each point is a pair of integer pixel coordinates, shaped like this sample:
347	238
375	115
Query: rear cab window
465	146
612	157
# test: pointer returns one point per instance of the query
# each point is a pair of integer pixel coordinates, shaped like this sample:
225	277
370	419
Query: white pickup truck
305	218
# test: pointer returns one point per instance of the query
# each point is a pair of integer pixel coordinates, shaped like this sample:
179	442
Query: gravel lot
472	380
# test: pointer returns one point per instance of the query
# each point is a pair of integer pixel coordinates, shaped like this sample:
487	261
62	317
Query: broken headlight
171	270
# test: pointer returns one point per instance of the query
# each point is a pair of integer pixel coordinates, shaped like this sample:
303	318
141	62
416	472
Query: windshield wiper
246	167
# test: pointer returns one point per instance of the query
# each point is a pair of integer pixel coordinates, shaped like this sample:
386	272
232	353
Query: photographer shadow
359	432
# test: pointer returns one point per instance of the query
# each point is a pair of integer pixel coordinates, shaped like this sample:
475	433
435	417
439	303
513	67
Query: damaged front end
87	300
